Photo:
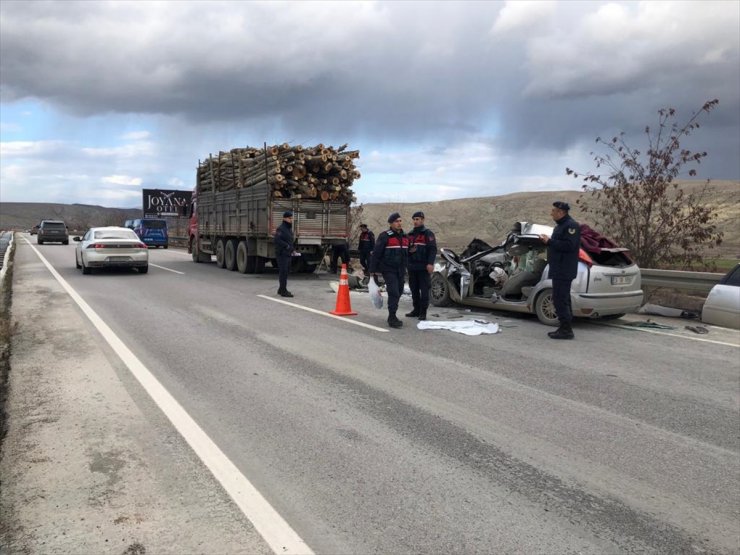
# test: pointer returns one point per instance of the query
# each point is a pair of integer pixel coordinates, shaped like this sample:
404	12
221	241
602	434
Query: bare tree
639	204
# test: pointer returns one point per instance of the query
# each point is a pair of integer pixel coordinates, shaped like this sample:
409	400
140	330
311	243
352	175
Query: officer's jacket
422	248
284	239
562	249
367	241
391	252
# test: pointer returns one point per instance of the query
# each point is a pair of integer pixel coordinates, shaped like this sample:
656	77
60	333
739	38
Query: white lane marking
276	532
342	318
657	332
168	269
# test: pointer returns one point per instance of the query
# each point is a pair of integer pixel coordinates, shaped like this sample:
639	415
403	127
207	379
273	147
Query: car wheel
85	269
77	264
230	255
220	254
439	293
544	307
39	242
143	269
66	243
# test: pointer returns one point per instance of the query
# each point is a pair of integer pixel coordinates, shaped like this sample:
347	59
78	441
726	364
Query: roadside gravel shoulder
85	467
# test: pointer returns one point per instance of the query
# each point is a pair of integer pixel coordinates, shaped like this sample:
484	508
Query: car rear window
154	224
53	225
116	235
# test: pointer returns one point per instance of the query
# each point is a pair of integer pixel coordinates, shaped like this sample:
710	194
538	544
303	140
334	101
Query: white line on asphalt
657	332
277	533
168	269
322	313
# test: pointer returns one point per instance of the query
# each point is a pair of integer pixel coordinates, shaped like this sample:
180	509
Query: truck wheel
242	258
220	254
198	257
439	293
544	307
308	268
230	255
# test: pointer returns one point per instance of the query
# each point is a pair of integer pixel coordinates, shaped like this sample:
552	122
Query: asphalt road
409	441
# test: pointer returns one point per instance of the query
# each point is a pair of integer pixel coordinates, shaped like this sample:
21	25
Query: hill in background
78	217
455	222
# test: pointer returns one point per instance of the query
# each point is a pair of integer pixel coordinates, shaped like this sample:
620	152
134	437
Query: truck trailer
239	200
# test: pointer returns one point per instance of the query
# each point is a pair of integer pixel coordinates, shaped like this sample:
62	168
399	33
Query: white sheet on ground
468	327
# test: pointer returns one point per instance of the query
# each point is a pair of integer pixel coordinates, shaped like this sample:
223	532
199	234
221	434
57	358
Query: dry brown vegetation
456	222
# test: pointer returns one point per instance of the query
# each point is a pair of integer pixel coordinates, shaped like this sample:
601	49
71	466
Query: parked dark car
52	231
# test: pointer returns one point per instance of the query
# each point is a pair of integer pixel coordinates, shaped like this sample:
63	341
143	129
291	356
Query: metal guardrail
687	281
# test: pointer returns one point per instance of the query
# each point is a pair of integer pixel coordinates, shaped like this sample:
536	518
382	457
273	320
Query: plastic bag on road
375	295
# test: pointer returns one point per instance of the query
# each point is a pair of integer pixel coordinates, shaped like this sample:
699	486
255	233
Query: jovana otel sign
158	202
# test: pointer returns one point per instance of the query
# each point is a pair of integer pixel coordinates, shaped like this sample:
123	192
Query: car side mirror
78	239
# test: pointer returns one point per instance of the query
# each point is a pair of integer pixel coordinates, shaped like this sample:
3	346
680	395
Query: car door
722	307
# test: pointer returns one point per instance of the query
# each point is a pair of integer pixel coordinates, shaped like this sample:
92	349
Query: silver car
111	247
513	276
722	307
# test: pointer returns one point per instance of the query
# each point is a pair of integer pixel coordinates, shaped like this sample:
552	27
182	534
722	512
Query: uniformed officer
390	258
422	252
284	250
562	256
366	246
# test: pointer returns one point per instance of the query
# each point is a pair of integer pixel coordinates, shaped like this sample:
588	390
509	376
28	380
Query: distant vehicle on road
152	231
52	231
513	276
722	307
110	247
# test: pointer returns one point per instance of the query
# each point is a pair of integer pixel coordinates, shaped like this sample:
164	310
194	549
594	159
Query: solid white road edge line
168	269
342	318
657	332
276	532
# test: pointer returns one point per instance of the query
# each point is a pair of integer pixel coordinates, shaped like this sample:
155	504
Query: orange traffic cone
343	305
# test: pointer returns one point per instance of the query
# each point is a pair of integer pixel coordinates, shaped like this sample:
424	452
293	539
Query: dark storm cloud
523	75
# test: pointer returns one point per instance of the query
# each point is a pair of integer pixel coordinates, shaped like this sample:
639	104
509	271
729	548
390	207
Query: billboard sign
158	203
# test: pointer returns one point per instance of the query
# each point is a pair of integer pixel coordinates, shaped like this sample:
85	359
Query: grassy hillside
78	217
455	222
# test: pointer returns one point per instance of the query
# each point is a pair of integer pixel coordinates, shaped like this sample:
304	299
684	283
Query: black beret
418	214
561	205
287	214
393	217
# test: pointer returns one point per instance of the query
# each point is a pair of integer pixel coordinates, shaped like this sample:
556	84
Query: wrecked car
513	276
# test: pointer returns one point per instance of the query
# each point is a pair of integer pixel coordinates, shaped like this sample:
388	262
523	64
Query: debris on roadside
648	324
701	330
659	310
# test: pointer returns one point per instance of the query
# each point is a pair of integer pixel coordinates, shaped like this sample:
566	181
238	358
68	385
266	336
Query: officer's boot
393	321
565	331
423	314
414	313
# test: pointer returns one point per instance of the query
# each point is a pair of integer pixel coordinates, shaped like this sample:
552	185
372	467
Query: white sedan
722	307
111	247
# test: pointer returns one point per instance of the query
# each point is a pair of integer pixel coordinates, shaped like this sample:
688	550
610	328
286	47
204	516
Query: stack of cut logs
319	172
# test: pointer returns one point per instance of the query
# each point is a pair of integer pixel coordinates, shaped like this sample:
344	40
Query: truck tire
544	307
230	255
439	292
244	261
220	254
198	256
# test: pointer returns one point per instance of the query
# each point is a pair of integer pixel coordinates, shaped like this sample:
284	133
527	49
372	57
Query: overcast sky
443	99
